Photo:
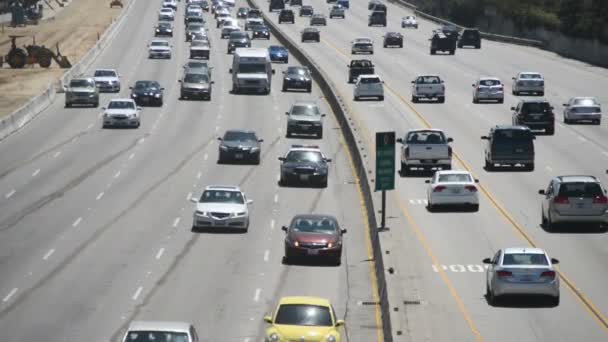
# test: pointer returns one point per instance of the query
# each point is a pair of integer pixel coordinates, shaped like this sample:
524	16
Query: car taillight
471	188
548	274
439	188
600	200
561	200
503	274
450	151
407	152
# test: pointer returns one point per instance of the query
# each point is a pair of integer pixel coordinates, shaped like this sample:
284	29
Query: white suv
221	207
107	80
369	86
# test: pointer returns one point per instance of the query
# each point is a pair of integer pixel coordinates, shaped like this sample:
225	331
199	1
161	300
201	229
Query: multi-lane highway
437	256
95	224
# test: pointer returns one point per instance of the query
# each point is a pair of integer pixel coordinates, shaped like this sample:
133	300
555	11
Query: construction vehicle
18	57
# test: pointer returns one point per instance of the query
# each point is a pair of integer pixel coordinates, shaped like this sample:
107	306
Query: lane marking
418	201
77	222
206	156
217	128
176	222
198	175
89	126
160	253
266	255
460	268
137	293
117	174
48	254
189	196
581	138
256	296
10	294
131	156
99	196
605	153
272	224
276	198
57	154
36	173
549	168
9	194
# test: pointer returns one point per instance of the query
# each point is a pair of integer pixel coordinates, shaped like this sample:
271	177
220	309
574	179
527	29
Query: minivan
509	146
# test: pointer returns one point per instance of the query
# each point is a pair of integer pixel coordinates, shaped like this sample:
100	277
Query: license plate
313	252
525	278
304	177
238	156
580	205
455	191
305	127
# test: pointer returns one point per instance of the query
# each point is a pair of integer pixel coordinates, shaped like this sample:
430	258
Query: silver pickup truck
425	149
428	87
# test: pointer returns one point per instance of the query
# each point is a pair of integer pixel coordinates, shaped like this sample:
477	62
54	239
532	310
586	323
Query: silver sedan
521	271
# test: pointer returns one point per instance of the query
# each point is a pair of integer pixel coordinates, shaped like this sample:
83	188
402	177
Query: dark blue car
278	53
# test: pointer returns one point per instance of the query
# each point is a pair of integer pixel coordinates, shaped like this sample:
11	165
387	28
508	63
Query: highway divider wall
341	114
22	116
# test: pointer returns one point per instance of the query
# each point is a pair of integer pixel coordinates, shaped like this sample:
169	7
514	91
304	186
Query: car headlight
274	337
242	213
132	116
254	149
331	338
105	115
287	79
157	95
201	213
169	30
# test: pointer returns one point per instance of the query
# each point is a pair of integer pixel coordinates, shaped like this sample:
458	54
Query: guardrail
485	35
29	111
335	102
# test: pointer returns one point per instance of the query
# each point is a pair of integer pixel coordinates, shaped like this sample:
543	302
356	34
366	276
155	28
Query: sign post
385	167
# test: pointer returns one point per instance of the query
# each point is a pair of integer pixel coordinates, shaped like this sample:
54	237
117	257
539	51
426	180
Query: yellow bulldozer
18	57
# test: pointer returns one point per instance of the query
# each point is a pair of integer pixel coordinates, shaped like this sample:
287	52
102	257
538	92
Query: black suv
443	43
276	5
393	39
306	11
510	146
536	114
311	33
238	39
470	37
147	93
297	77
377	18
286	16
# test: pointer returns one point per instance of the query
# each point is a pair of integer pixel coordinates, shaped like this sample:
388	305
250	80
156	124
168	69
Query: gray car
304	117
196	84
239	145
238	39
318	19
521	271
583	109
337	11
81	91
574	199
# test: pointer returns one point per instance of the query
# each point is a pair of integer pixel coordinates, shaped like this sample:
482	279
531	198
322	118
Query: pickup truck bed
425	149
359	67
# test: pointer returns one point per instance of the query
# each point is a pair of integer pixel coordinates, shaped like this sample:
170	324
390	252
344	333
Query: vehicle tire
401	45
384	46
555	301
490	296
452	52
433	52
414	99
543	219
318	40
475	207
288	134
338	261
460	46
550	131
44	61
320	134
356	98
447	167
430	207
475	100
68	105
235	89
95	104
501	100
302	40
380	98
529	167
515	92
323	184
597	122
549	226
441	99
541	93
257	160
284	88
309	89
489	166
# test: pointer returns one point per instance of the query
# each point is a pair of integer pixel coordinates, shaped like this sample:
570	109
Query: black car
239	145
377	18
163	29
470	37
306	11
443	43
536	114
260	32
295	3
276	5
205	5
242	12
238	39
297	77
147	93
509	146
304	165
318	19
286	16
254	13
451	31
393	39
311	33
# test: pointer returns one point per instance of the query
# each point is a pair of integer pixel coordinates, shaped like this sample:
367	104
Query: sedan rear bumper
502	288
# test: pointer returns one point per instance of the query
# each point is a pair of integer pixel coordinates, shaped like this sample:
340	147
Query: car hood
295	332
162	28
196	85
199	48
106	79
238	41
314	237
112	112
240	144
81	90
312	118
221	207
160	48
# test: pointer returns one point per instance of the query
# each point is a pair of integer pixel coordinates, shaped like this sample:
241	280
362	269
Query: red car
314	236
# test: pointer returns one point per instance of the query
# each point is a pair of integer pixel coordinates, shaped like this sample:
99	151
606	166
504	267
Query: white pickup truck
428	87
425	149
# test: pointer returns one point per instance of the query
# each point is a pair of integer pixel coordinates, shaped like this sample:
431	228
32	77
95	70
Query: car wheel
475	100
543	218
541	93
433	52
549	226
529	167
284	88
555	301
309	89
338	261
490	296
447	167
95	104
489	166
288	134
380	98
323	184
475	207
515	92
441	99
320	134
597	122
550	131
501	100
452	52
414	99
68	105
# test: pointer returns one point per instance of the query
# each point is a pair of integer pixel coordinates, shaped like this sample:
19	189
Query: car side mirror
219	138
249	201
441	81
339	323
413	82
512	78
450	140
193	200
428	181
230	71
212	82
273	71
179	81
473	84
400	140
487	261
162	88
267	319
323	115
541	192
476	180
328	160
282	158
286	113
138	108
104	108
260	140
512	108
484	137
343	231
565	105
284	228
131	88
554	261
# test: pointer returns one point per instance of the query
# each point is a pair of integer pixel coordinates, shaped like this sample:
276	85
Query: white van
251	70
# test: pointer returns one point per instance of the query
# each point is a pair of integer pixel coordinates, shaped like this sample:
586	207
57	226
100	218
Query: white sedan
221	207
369	86
166	14
121	112
409	21
159	48
452	187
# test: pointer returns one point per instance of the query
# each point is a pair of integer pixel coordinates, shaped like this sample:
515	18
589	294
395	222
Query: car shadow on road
308	262
508	169
217	230
453	209
575	228
416	173
522	302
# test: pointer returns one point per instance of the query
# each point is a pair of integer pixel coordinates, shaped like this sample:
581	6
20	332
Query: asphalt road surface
440	253
95	224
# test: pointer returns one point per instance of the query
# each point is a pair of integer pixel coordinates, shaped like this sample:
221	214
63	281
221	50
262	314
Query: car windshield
303	314
247	68
428	80
222	196
166	11
423	137
580	189
536	107
81	83
238	35
489	83
524	259
513	134
305	110
275	48
163	44
164	25
531	76
146	85
370	80
590	101
322	225
121	105
239	136
296	71
258	27
304	156
196	65
454	178
105	73
156	336
586	110
196	78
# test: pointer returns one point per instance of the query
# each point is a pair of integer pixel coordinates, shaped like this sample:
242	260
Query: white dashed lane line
117	174
99	196
276	198
176	222
48	254
10	294
57	154
256	296
206	156
581	138
131	156
9	194
89	126
266	255
198	175
77	222
137	293
160	253
189	196
272	224
36	173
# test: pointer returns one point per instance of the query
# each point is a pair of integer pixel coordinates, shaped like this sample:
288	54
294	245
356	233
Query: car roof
159	326
530	72
311	29
577	179
369	76
453	172
362	38
483	78
223	187
311	148
523	250
122	99
304	300
510	127
426	130
533	101
159	40
315	216
105	69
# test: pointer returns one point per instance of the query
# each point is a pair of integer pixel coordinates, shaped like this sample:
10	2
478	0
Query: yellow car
308	319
